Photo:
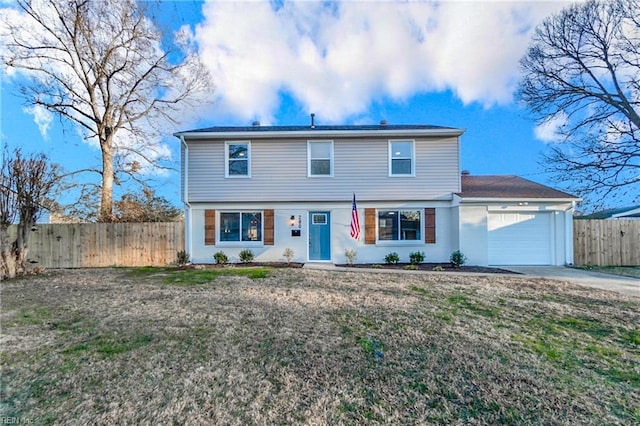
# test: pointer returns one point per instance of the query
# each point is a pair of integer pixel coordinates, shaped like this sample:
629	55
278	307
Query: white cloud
42	117
549	131
335	59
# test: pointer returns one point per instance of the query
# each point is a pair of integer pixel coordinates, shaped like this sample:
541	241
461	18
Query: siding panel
279	172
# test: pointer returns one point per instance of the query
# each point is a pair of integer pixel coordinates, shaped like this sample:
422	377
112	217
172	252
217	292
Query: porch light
292	221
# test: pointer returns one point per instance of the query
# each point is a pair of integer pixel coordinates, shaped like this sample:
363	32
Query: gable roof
508	187
619	212
259	131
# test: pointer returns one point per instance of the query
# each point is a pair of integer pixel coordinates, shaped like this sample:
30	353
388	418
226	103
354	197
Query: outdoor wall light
292	220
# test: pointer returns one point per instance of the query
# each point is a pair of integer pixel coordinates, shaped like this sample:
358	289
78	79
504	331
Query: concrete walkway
625	285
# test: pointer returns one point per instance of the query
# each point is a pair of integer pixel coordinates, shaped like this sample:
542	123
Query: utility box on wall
295	232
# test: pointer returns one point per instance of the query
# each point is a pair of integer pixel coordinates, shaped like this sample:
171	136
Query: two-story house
269	188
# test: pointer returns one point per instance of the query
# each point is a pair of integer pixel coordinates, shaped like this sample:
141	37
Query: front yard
296	346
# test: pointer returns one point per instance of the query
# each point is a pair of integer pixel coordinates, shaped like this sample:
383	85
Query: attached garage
511	221
520	238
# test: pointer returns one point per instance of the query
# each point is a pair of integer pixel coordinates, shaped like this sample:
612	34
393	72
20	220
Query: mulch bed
441	267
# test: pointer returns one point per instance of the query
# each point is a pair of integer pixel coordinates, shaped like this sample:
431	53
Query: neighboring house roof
341	130
615	213
508	187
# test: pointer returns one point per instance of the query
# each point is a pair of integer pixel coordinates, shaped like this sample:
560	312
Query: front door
320	236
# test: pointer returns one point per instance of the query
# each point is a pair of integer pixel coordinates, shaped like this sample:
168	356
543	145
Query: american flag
355	220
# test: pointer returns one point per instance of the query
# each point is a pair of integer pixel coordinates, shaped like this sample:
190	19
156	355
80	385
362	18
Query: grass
628	271
294	346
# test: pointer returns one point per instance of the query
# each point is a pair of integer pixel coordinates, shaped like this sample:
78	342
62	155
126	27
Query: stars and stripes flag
355	220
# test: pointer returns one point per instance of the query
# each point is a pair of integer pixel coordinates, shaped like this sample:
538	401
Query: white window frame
240	243
309	143
419	241
412	158
226	159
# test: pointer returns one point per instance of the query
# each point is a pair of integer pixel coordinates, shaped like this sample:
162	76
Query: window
399	225
241	226
401	158
320	155
237	159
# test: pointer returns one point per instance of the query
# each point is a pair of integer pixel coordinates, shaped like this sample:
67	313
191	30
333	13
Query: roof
619	212
508	187
344	130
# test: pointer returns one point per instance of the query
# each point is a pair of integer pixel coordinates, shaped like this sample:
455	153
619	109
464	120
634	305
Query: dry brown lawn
300	346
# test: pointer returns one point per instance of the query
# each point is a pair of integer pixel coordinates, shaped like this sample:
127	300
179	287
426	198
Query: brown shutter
209	227
369	226
430	225
268	227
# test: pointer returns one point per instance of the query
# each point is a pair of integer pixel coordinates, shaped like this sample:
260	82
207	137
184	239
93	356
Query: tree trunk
106	196
7	260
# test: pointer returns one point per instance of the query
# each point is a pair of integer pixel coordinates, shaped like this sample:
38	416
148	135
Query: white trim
331	158
320	133
413	158
623	215
226	159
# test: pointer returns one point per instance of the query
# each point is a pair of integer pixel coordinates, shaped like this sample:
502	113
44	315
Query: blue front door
320	236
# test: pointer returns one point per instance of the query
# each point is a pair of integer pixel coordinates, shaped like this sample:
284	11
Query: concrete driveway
625	285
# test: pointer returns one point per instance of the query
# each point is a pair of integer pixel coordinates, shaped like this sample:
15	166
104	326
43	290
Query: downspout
185	200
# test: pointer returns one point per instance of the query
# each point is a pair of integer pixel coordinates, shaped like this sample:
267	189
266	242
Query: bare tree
25	183
146	207
581	75
105	67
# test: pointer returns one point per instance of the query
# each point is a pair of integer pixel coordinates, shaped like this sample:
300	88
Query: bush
351	256
246	256
392	258
457	259
416	258
220	258
182	258
288	255
412	267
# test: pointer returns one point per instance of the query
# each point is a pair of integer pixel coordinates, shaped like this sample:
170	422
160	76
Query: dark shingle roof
508	186
307	128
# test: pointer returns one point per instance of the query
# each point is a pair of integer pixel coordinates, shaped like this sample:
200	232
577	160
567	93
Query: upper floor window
399	225
238	159
401	158
320	158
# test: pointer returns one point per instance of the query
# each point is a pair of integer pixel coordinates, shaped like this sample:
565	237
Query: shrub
392	258
438	268
412	267
288	254
416	258
220	258
457	259
246	256
182	258
351	256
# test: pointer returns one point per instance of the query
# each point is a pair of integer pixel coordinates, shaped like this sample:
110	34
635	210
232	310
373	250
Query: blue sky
448	63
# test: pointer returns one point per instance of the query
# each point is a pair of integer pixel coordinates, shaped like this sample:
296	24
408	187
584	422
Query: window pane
400	167
410	225
387	225
230	227
239	151
320	167
320	149
401	149
251	226
238	167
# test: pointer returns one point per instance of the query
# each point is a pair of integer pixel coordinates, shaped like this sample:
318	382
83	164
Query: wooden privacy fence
86	245
606	242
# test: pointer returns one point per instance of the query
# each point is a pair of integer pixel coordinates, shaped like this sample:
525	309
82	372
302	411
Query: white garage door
520	238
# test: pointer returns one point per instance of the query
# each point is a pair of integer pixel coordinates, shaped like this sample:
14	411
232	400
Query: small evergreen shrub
412	267
457	259
182	258
416	257
438	268
246	256
288	255
392	258
220	258
351	256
